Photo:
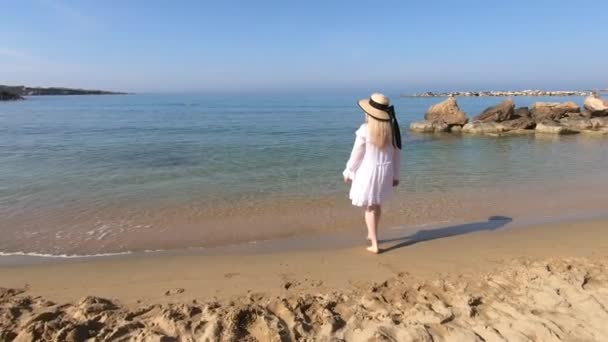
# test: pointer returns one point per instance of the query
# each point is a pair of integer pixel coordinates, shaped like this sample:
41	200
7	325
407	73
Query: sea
95	175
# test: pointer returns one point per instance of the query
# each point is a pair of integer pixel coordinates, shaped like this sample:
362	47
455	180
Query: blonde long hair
380	132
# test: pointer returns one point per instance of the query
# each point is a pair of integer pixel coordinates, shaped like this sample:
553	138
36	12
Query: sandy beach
174	233
303	171
462	283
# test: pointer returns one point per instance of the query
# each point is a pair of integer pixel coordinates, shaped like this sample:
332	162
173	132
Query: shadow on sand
493	223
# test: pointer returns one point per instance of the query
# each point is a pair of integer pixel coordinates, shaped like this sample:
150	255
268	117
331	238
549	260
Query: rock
600	131
524	122
484	128
456	129
428	127
6	95
501	112
578	124
518	131
522	112
580	115
550	127
447	112
554	111
596	105
600	122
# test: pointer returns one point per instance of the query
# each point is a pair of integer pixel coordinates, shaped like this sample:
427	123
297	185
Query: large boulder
6	95
501	112
596	105
478	127
428	127
551	127
543	111
524	122
447	112
578	124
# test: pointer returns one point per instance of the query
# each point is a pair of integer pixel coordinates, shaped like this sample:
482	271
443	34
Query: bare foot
369	238
373	249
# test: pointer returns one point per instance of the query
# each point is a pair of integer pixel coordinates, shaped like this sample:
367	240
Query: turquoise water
171	150
108	148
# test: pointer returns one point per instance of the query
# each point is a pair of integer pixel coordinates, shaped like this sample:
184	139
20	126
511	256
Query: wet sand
489	281
136	227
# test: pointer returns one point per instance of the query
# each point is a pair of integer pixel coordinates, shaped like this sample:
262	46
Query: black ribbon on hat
392	118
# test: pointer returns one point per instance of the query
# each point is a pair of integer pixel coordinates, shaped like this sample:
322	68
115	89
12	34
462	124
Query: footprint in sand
175	291
230	275
288	281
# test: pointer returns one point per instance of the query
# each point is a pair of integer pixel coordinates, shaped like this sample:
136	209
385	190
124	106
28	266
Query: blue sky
405	46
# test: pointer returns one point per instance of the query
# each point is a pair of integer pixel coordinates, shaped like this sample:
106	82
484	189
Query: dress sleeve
396	163
356	156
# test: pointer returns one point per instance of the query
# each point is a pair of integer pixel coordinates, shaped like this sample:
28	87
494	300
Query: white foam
103	235
63	256
153	250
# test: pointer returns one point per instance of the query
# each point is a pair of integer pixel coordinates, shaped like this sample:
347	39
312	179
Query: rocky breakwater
568	118
542	118
501	118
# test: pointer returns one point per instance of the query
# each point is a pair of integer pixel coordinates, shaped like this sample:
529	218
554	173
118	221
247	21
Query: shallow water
76	170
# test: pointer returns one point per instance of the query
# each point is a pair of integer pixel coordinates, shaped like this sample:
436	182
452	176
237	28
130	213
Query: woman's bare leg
372	217
377	215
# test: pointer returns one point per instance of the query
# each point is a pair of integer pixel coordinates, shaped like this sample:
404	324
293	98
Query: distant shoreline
22	91
502	93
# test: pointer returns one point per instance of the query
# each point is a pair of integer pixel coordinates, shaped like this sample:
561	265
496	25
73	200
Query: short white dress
372	170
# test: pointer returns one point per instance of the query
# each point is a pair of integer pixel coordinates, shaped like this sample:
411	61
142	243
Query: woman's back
373	170
373	154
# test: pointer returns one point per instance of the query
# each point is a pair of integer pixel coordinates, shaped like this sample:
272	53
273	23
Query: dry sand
542	283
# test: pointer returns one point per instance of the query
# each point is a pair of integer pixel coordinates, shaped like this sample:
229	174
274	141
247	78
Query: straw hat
377	106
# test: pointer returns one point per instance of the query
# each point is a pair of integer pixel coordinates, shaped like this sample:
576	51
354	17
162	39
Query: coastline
22	91
236	283
313	242
191	226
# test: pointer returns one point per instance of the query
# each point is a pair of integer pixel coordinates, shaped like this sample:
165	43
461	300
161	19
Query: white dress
372	170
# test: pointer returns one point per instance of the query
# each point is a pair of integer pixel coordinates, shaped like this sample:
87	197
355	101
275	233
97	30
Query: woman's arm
356	157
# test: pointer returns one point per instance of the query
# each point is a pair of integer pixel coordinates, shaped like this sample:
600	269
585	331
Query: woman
373	167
